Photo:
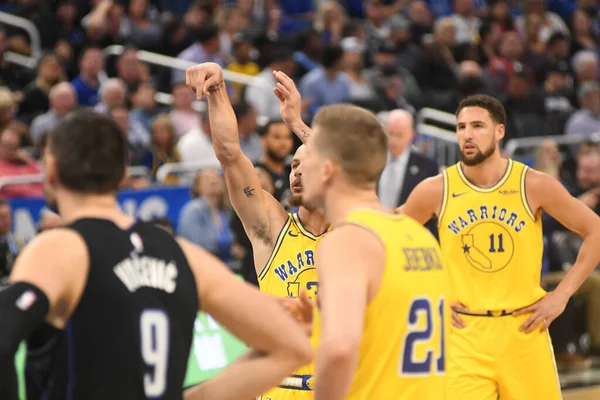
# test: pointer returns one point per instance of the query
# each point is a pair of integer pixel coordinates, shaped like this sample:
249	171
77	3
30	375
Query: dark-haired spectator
550	22
86	84
583	36
206	49
113	93
556	93
242	61
508	62
326	85
68	24
137	137
277	144
15	162
103	23
407	53
129	69
140	26
183	116
586	121
525	107
421	21
249	139
39	12
466	22
260	94
470	82
144	107
35	96
499	12
13	76
10	246
557	50
175	36
63	99
489	35
308	54
162	147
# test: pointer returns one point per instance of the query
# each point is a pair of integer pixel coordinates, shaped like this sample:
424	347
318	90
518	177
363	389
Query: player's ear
50	169
500	131
330	170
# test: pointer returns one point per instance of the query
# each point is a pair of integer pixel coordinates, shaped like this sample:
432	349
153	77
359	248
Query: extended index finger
285	80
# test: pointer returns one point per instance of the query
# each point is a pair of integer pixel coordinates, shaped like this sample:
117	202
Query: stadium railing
515	146
34	39
436	139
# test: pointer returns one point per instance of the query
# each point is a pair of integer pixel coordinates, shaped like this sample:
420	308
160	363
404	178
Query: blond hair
354	139
7	100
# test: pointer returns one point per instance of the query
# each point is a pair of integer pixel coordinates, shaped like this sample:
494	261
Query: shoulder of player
539	184
45	246
356	238
431	188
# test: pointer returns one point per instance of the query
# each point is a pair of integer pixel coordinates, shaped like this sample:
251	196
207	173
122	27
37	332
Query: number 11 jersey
491	240
131	333
402	354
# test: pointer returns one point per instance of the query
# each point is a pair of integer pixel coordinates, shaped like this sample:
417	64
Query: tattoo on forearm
305	134
248	191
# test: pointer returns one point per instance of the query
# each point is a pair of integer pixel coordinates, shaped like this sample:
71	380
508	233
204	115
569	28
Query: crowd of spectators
394	57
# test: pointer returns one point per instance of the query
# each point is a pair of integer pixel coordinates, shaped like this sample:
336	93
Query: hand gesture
546	310
301	309
204	78
290	100
457	321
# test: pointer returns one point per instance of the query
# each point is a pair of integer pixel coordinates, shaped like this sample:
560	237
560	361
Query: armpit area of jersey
23	308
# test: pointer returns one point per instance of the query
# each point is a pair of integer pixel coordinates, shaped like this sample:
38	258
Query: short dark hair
492	105
263	130
241	109
90	151
331	55
207	32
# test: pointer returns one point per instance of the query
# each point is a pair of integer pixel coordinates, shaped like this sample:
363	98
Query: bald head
63	98
400	129
469	68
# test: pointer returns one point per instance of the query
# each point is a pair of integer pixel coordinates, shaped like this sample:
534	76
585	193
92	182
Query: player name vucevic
487	213
136	272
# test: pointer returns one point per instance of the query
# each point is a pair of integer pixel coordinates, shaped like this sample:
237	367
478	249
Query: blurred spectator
470	82
260	94
130	70
233	22
500	14
308	54
535	49
13	76
68	23
174	36
10	247
556	94
376	28
548	159
48	220
14	162
586	120
144	107
36	95
8	107
86	84
405	168
137	137
389	92
162	146
360	89
329	22
407	53
557	50
206	49
525	108
466	22
204	220
277	144
139	27
550	21
583	36
63	99
242	61
585	64
183	116
103	24
113	93
196	145
327	84
40	13
250	142
508	62
421	21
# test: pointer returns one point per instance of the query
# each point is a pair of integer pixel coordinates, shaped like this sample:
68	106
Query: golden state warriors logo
306	280
488	246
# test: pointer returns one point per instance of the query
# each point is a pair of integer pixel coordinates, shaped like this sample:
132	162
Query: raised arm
256	208
425	200
291	106
548	194
278	343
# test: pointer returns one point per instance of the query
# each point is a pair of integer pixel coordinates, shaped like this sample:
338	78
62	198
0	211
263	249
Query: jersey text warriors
402	354
290	270
491	240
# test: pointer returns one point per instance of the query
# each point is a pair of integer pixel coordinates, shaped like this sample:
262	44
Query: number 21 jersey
491	240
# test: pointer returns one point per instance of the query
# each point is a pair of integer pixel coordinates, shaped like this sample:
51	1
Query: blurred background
411	62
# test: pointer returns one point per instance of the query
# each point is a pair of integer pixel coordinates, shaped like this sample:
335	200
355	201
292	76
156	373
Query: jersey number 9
154	329
423	335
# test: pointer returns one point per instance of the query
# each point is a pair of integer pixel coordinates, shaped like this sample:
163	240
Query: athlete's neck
314	221
488	173
75	206
340	203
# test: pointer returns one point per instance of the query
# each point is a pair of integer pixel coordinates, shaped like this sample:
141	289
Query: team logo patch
26	300
137	243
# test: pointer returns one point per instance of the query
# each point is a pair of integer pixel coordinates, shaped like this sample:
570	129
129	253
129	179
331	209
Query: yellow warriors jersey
491	240
290	270
402	354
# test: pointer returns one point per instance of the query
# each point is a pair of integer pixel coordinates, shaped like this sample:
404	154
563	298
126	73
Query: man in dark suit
406	167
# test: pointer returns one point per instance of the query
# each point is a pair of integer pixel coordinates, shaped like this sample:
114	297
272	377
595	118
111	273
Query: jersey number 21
422	336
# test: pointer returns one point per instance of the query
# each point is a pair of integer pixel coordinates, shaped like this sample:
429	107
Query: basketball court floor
581	385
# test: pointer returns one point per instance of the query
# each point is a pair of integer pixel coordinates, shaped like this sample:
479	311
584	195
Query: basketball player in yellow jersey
489	210
283	244
383	287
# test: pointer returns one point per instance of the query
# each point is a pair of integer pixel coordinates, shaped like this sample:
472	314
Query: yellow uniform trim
303	230
485	190
445	191
278	243
524	193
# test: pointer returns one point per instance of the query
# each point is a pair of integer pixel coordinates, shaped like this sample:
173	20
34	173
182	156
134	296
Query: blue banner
143	204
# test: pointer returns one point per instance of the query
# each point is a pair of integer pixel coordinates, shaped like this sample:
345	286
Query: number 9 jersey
402	354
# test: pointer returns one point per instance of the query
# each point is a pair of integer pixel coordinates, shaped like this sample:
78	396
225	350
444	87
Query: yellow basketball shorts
491	359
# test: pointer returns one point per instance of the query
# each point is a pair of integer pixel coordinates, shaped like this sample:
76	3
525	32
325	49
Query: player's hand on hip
301	309
546	310
457	321
202	78
289	97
